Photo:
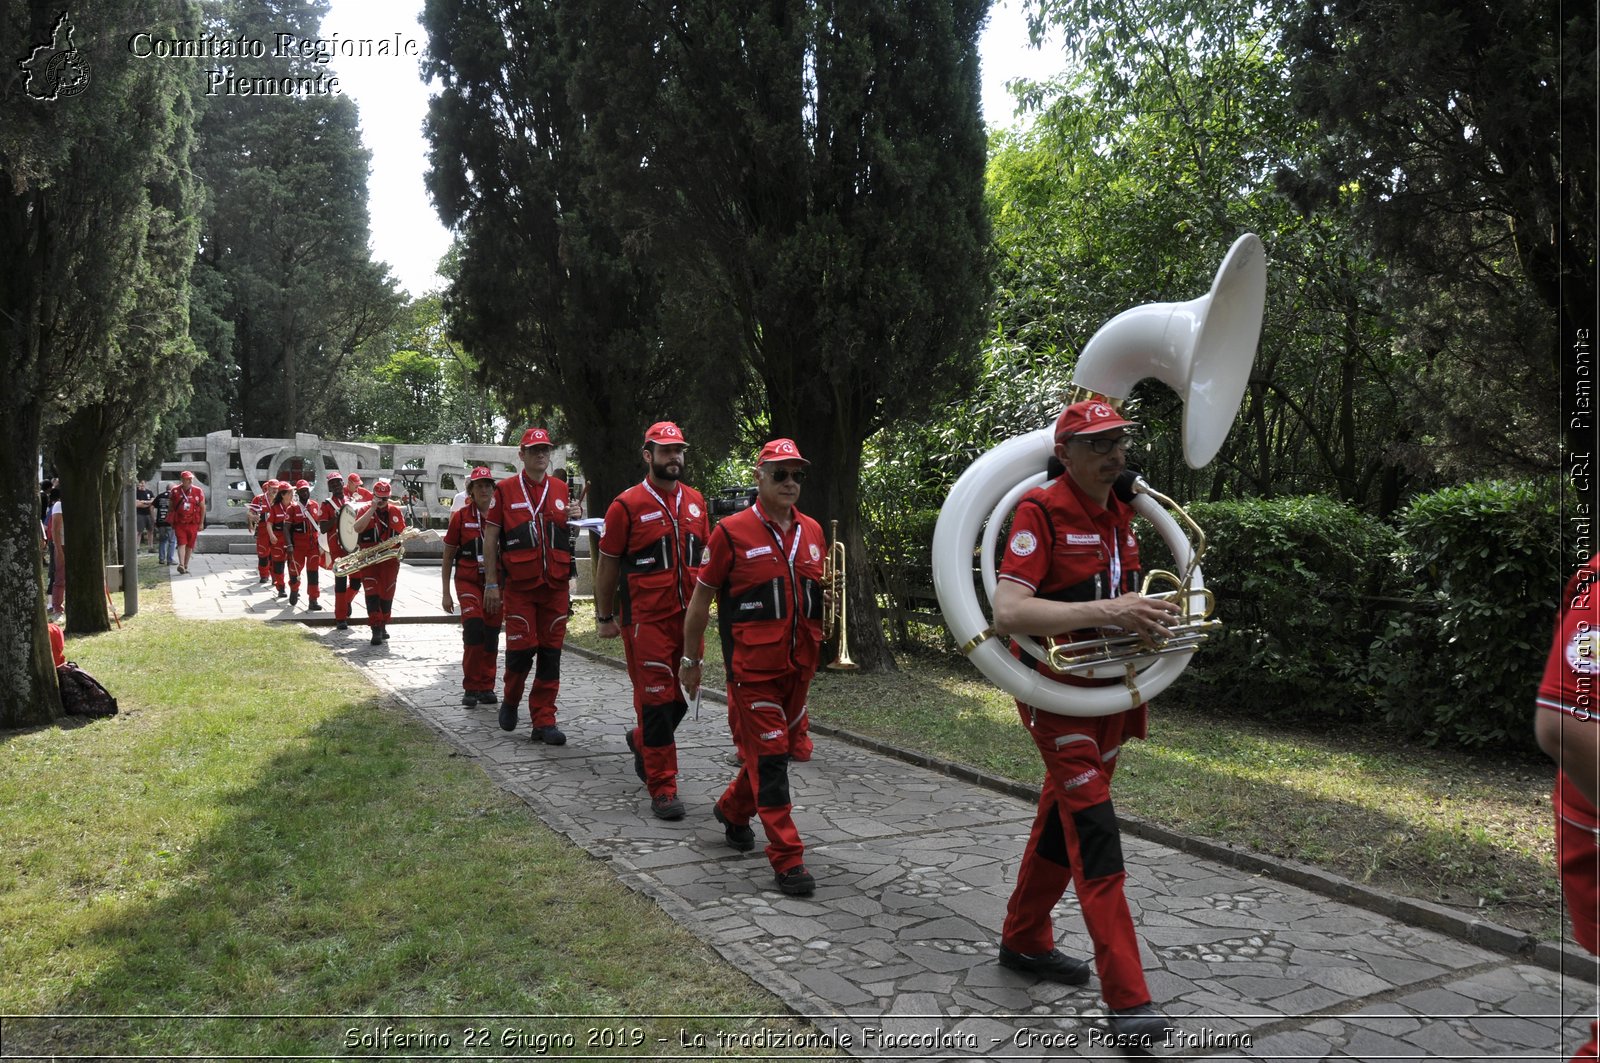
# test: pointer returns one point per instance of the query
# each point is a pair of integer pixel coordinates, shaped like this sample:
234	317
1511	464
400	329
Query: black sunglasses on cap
781	475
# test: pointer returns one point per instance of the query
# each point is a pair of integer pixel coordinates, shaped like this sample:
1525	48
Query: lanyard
1116	564
773	528
522	482
677	534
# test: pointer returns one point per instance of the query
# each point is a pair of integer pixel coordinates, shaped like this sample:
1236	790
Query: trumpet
835	607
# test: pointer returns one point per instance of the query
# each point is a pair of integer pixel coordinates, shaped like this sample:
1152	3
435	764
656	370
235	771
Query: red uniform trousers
280	561
185	534
1075	840
758	715
378	581
480	633
308	559
653	651
263	553
344	587
1578	854
535	623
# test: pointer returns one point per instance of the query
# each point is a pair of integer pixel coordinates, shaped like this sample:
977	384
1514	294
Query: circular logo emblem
1023	543
1099	410
561	504
705	556
1583	652
694	510
786	447
816	551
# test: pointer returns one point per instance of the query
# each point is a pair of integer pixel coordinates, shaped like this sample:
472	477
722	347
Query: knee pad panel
1099	840
547	665
772	788
519	662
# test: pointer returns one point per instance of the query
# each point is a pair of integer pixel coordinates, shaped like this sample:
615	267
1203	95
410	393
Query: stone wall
231	469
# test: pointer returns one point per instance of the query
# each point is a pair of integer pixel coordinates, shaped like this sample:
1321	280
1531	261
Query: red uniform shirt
769	593
658	540
535	542
187	505
1066	547
386	524
1568	685
466	535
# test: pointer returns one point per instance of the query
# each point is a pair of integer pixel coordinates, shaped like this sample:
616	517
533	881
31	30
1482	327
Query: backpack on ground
82	694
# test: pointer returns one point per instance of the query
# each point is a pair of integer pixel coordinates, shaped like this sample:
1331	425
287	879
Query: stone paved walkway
896	950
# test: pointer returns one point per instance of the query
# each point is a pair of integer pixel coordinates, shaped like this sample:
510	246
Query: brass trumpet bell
835	609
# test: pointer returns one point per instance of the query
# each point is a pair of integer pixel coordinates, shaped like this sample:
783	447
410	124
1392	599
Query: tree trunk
29	695
84	456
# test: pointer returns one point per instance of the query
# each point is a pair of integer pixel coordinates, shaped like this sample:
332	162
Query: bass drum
349	538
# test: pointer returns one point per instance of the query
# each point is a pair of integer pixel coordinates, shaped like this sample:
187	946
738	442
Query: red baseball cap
301	483
336	475
186	475
536	437
354	479
382	489
665	433
780	450
268	485
1088	418
480	473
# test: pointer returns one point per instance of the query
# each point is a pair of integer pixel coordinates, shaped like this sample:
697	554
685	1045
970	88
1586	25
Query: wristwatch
491	586
604	619
690	662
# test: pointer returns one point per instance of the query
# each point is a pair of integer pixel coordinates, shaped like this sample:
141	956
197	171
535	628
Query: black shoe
294	597
796	882
262	580
384	631
666	806
638	758
738	836
341	626
1143	1024
282	593
508	716
313	606
550	736
377	637
469	699
1052	966
487	697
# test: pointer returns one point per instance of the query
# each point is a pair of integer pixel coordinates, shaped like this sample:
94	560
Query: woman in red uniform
463	553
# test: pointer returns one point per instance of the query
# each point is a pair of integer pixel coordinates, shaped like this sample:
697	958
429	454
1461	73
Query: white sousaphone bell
1203	350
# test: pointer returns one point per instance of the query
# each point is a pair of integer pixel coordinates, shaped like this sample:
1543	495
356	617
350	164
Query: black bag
82	694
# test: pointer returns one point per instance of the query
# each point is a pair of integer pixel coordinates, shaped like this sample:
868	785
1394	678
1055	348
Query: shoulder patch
1023	543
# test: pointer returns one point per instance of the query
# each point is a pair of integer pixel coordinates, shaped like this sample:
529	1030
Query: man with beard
527	543
650	553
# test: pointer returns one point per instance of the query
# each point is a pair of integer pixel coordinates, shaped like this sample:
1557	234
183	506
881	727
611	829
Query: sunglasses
1106	446
782	475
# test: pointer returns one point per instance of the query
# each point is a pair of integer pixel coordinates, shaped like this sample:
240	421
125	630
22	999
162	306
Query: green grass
260	833
1474	832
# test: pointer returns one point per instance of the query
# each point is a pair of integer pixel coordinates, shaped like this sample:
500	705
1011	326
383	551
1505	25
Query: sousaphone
1203	350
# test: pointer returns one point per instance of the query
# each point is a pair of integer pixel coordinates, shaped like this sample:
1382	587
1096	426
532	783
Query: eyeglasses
1106	446
782	475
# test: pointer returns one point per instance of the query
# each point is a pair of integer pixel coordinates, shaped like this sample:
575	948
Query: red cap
301	483
781	450
536	437
186	475
268	485
665	433
354	479
382	489
336	475
1089	418
480	473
